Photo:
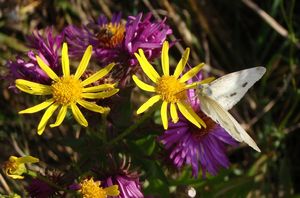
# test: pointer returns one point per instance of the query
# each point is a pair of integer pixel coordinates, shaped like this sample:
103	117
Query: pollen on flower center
67	90
200	133
111	35
11	166
91	189
170	89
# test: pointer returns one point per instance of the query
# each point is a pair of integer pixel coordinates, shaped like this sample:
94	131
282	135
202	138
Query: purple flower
203	148
114	41
120	174
21	69
105	37
46	46
129	186
40	189
146	35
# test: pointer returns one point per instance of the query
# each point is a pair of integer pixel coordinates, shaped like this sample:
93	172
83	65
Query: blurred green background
228	35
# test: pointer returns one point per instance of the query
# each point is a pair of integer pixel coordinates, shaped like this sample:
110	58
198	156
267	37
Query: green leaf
145	145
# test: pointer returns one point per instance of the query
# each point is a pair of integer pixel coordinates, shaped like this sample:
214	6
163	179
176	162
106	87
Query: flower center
210	126
170	89
91	189
111	35
11	166
67	90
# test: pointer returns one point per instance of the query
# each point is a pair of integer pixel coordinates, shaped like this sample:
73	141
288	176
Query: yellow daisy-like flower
171	89
68	91
15	166
92	189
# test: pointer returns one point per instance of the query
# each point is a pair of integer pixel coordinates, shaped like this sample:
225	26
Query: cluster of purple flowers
117	41
114	41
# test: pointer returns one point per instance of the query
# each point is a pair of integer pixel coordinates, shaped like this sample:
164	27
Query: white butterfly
217	97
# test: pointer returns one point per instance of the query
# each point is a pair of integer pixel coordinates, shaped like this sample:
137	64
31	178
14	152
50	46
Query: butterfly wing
221	116
229	89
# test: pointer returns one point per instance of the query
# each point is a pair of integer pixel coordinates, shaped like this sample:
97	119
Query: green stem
31	173
133	127
102	129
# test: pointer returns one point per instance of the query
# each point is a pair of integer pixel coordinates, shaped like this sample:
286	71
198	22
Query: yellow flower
68	91
15	166
171	89
92	189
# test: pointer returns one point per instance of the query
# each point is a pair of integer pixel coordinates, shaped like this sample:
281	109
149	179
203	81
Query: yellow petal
38	107
78	115
98	88
196	84
189	114
100	95
98	75
181	64
46	68
207	80
48	113
60	117
164	114
27	159
146	66
93	107
165	58
84	62
33	88
174	114
149	103
190	74
16	176
112	190
13	159
142	85
199	120
65	60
